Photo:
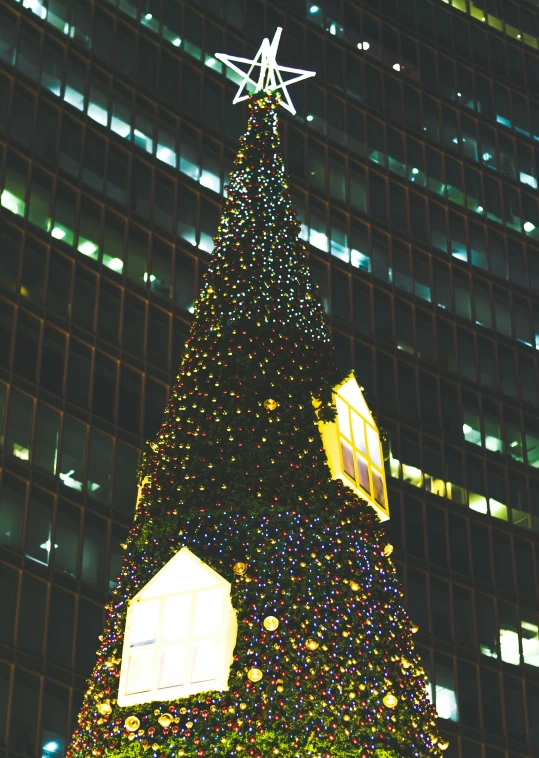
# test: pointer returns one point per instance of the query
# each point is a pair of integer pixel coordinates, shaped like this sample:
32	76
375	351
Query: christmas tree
258	611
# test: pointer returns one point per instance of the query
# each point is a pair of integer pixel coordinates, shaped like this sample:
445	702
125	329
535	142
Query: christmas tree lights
324	662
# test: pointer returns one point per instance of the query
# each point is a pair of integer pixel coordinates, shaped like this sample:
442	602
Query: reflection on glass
172	667
144	623
139	671
176	617
205	661
208	615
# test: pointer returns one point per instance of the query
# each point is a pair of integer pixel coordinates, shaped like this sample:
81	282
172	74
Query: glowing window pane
205	661
139	672
208	612
378	484
172	667
343	418
358	426
446	703
374	446
176	617
347	459
530	643
144	623
363	473
509	646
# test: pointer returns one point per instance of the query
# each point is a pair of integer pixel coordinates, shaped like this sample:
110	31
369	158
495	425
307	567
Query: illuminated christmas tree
258	611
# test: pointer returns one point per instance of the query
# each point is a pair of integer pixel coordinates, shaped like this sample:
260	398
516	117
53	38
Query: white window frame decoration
353	447
180	634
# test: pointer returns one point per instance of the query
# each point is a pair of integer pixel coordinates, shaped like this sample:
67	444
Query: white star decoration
269	78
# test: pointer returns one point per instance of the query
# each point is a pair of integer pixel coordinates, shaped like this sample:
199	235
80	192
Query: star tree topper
269	77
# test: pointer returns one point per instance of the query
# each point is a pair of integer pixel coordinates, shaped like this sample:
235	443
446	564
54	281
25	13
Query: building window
180	634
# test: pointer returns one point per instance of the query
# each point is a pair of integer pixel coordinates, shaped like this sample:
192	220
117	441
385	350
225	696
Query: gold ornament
154	446
388	550
312	643
240	568
271	623
443	745
132	723
270	404
104	708
165	720
354	586
390	701
414	628
189	725
255	675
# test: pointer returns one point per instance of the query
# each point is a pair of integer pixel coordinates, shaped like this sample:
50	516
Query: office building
413	160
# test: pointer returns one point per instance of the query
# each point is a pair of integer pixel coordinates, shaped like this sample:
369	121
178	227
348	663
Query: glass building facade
414	161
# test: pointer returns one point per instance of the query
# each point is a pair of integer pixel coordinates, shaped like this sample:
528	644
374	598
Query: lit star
269	78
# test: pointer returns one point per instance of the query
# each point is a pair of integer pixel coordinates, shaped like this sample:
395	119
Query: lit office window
530	640
353	447
180	634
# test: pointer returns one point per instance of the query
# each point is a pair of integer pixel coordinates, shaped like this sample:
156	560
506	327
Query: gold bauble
312	643
189	725
346	717
388	549
390	701
270	404
280	688
165	720
271	623
255	675
443	745
104	708
354	586
132	723
240	568
414	628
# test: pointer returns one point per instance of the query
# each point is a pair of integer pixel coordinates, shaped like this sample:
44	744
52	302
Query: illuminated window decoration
180	634
353	446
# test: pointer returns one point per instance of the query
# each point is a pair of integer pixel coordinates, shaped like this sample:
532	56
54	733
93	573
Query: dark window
19	421
60	635
130	399
108	318
52	360
78	373
66	538
84	299
462	609
39	528
9	580
125	482
26	346
73	454
32	616
99	466
24	711
88	628
104	393
12	500
46	438
94	551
